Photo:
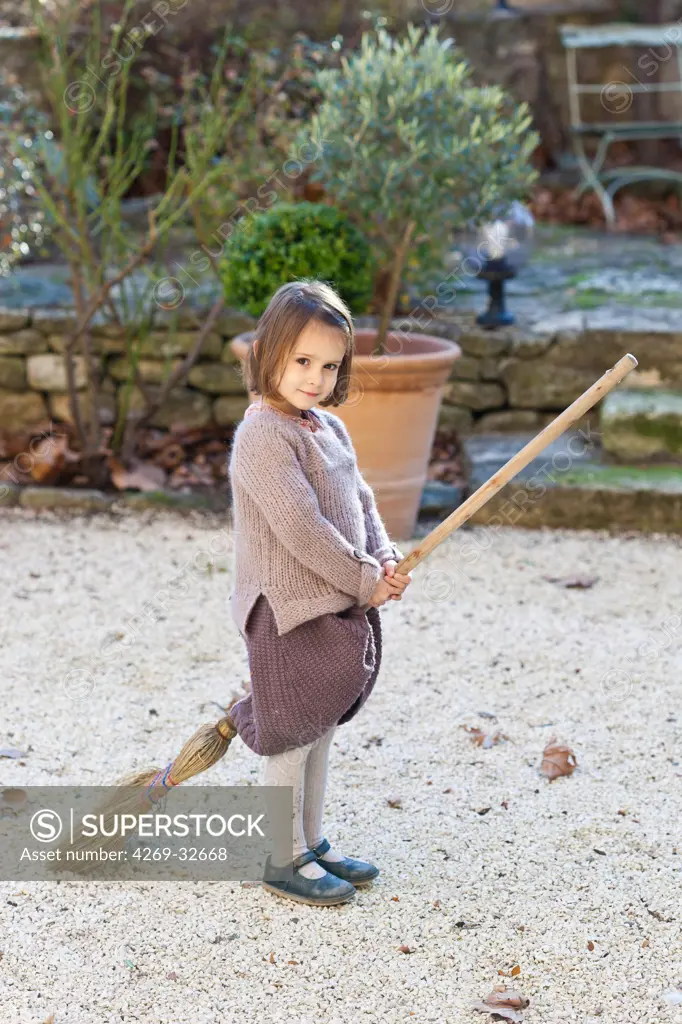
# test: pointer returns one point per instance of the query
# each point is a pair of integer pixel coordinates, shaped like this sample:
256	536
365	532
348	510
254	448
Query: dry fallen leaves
659	215
140	476
394	802
557	760
171	456
14	798
446	458
510	974
505	1002
575	582
405	949
49	457
483	739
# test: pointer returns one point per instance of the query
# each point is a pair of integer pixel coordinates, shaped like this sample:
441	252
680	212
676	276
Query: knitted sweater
308	534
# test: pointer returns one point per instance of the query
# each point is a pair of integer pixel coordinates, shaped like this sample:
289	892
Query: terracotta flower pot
391	414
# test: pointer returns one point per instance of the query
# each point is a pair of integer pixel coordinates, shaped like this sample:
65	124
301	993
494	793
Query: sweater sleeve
379	544
266	465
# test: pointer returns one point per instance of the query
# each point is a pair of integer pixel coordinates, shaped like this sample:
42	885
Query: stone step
569	485
486	453
593	497
637	424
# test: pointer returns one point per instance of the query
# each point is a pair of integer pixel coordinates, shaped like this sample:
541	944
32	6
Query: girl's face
312	368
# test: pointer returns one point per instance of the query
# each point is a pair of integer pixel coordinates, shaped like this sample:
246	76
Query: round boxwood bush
291	241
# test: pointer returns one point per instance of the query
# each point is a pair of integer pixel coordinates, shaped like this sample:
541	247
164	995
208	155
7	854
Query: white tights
305	770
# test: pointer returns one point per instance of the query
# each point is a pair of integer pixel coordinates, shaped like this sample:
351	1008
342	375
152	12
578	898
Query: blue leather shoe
318	892
359	872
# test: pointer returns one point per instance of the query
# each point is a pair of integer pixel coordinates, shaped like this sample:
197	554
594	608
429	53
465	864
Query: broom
140	790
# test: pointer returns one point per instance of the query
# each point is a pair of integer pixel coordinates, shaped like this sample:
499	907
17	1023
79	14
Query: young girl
312	566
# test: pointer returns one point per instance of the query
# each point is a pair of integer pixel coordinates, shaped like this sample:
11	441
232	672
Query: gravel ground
485	865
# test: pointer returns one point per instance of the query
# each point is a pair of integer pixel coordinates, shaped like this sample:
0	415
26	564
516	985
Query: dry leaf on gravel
510	974
573	582
394	803
557	760
15	798
405	949
505	1002
141	476
482	739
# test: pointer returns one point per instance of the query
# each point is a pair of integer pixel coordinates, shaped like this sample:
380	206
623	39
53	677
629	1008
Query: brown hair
293	306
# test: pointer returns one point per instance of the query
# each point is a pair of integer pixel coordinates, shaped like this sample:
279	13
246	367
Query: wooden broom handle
486	491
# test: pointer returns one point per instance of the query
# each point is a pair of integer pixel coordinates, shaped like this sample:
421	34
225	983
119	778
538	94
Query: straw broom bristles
138	791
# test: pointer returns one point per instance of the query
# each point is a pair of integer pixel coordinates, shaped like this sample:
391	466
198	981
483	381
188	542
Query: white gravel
521	884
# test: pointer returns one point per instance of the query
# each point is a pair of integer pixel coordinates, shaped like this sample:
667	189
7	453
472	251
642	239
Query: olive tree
413	150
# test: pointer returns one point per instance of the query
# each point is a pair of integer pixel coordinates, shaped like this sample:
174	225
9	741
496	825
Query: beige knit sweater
308	534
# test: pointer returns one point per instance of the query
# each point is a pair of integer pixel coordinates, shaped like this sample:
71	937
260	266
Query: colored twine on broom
140	790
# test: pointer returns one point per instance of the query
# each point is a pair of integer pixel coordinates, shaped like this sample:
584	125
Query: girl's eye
331	366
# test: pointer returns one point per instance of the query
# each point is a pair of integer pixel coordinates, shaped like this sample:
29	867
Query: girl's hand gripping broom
138	791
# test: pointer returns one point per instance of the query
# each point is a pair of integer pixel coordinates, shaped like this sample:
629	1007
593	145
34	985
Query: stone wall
510	379
33	389
505	380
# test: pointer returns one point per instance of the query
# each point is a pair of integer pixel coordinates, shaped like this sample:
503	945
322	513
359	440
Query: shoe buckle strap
303	858
321	848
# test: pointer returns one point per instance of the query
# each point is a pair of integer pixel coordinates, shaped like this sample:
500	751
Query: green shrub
291	241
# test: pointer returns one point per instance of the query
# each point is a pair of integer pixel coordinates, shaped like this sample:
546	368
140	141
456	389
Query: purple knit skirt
315	676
